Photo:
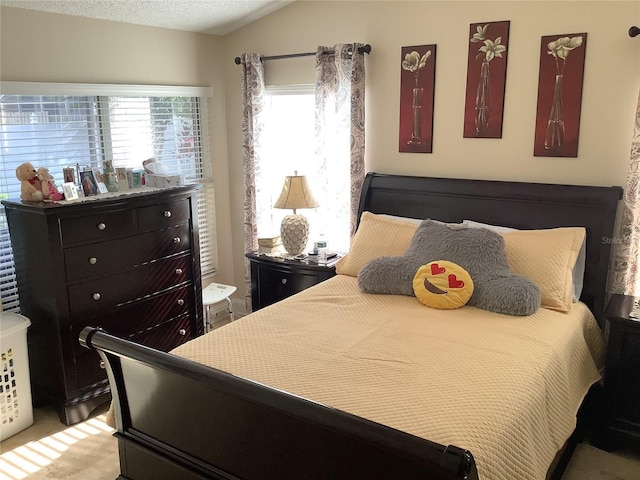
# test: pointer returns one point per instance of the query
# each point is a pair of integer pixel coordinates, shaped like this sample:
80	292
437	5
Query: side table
619	425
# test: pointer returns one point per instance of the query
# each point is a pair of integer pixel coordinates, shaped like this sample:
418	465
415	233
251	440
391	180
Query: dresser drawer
167	336
163	215
133	318
94	296
98	226
102	258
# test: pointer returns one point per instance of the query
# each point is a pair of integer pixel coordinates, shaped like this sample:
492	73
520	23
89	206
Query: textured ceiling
217	17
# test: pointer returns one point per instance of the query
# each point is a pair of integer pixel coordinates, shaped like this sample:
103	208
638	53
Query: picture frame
486	79
70	191
100	181
88	181
417	89
69	174
560	84
121	175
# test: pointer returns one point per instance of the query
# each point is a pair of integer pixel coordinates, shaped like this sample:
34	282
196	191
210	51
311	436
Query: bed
333	383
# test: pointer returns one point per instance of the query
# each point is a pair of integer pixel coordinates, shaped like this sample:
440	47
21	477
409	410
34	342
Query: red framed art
559	95
486	79
417	87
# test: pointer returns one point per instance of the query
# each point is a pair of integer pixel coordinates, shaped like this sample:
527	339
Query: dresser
273	278
128	264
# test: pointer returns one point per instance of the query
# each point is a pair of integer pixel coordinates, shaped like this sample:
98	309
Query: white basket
16	409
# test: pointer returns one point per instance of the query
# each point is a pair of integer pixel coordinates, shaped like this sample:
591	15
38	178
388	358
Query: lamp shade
296	193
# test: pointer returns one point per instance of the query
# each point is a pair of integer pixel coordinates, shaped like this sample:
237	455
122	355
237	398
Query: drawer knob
180	301
176	240
96	296
167	213
101	226
178	271
182	332
283	280
93	260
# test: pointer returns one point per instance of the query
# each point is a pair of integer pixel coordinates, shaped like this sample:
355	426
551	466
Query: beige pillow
547	258
377	236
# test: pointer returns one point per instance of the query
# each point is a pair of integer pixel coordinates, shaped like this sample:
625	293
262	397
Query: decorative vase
294	231
416	132
483	99
554	138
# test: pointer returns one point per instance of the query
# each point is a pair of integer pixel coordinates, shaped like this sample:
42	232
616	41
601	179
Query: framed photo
121	175
70	191
486	79
69	174
100	181
559	95
417	88
89	186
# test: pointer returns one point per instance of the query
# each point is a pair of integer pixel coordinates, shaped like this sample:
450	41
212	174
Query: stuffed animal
48	185
476	250
29	183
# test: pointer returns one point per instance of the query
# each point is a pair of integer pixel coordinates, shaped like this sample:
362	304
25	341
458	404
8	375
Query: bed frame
177	419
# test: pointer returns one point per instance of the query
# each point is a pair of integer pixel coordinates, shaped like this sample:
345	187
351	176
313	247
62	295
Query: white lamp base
294	231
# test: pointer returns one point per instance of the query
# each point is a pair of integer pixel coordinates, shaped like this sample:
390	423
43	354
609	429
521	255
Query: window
289	145
77	125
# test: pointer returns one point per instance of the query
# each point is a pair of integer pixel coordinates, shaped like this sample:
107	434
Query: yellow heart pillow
443	285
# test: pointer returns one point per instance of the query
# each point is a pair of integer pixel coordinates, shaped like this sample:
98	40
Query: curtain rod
634	31
363	49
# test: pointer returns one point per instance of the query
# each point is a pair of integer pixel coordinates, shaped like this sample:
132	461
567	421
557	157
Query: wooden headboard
510	204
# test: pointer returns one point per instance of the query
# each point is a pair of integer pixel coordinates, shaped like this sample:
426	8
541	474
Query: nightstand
620	421
274	278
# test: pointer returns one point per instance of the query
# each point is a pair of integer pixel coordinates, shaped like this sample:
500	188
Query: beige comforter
506	388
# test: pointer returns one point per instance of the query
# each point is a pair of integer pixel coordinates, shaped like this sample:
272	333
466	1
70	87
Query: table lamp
294	228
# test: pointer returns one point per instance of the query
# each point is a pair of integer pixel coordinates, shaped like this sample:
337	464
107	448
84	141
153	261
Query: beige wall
46	47
611	83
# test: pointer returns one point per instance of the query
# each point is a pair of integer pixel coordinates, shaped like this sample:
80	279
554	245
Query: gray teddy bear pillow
479	251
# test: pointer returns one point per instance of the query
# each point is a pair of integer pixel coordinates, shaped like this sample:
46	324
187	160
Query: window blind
81	126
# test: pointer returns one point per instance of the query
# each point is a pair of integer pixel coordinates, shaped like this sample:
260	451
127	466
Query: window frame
206	198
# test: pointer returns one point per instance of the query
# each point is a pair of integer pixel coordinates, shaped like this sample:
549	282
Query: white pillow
578	269
416	221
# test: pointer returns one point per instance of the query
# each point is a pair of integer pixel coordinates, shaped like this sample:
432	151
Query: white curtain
625	276
253	91
340	116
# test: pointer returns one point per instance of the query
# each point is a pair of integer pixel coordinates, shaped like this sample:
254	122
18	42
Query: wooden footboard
177	419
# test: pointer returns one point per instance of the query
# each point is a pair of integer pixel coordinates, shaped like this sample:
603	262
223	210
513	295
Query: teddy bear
29	183
47	185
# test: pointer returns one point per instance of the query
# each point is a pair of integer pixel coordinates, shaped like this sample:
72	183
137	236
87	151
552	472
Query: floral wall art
486	78
559	95
417	84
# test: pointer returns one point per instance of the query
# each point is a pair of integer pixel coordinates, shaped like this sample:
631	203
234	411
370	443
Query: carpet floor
49	450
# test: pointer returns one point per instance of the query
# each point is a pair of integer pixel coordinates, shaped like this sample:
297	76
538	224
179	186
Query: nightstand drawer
278	284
